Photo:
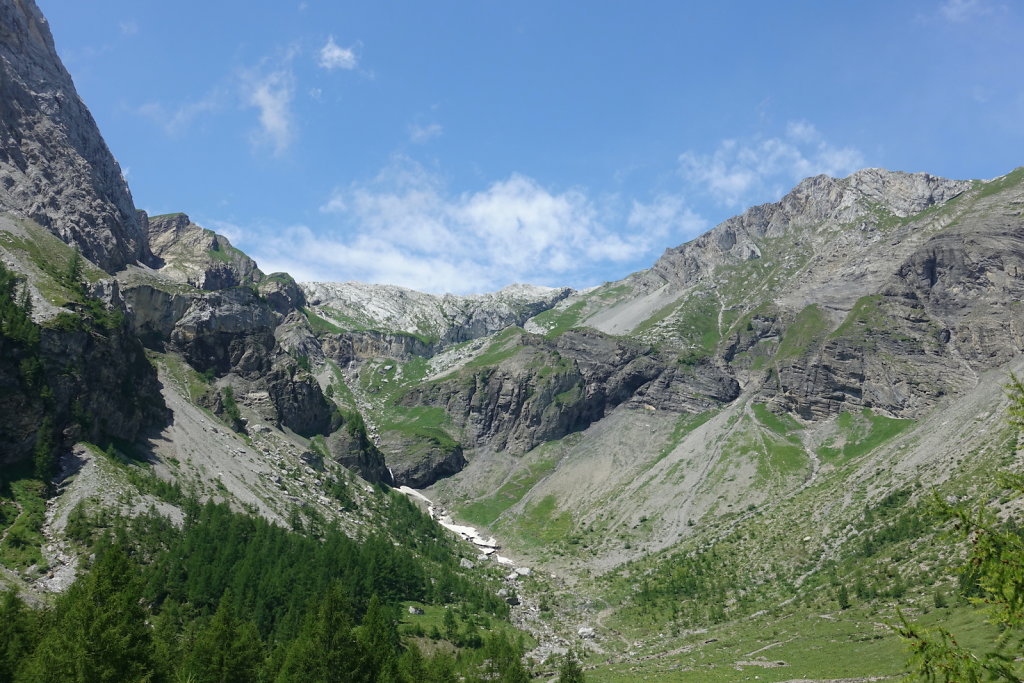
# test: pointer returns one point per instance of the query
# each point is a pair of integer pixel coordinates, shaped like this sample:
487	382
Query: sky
464	145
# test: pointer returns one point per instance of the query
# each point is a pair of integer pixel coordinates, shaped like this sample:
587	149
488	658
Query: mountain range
736	433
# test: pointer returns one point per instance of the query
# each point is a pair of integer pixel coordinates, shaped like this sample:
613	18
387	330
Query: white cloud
666	216
424	133
176	121
959	11
740	172
128	27
333	56
404	228
271	93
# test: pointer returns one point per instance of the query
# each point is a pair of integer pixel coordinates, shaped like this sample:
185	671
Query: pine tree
378	636
325	649
98	631
571	671
504	660
993	576
227	650
843	597
43	461
15	634
73	270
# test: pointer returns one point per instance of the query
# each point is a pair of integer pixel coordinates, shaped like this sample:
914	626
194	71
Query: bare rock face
54	165
282	293
947	313
97	384
550	388
187	253
418	461
814	201
439	320
350	446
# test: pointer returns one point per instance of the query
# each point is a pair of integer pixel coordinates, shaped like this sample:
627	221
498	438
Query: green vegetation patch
54	259
505	344
319	325
865	319
22	514
558	320
485	511
809	327
783	425
861	433
774	455
608	292
797	644
195	385
1011	179
542	524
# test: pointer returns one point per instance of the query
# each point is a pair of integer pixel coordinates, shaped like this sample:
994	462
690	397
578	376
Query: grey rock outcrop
350	446
94	383
550	388
439	320
187	253
418	460
54	165
815	201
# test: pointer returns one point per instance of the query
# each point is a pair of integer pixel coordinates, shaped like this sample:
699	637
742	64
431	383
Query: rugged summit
442	320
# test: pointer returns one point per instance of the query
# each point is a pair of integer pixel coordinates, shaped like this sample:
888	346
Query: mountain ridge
776	394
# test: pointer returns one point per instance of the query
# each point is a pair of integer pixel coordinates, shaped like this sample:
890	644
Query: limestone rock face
945	314
418	461
550	388
814	201
282	293
351	447
447	319
187	253
235	331
54	165
100	384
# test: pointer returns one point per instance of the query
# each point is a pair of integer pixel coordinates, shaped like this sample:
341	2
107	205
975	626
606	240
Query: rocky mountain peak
446	318
55	167
188	253
868	194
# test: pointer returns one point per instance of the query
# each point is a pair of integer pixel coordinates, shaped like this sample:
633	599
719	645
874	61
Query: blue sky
460	145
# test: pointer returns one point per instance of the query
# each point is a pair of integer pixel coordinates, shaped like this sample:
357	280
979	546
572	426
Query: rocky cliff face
54	166
436	320
550	388
187	253
87	379
815	202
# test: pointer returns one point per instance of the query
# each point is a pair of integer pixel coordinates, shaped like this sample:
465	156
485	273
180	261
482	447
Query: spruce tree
98	632
994	578
570	671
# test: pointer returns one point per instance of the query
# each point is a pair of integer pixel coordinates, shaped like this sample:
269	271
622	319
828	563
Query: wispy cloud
420	134
128	27
333	56
959	11
271	93
178	120
740	172
666	216
405	228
